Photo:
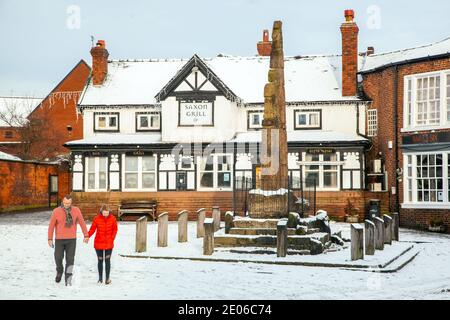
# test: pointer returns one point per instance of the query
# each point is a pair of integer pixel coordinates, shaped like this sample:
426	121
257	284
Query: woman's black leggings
104	255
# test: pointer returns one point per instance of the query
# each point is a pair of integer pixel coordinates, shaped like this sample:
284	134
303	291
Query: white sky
42	40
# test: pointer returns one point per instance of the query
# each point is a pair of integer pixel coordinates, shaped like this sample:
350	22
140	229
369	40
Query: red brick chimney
265	46
99	62
349	31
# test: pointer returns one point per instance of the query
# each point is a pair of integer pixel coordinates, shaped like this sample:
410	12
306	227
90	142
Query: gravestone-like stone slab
163	229
282	238
183	226
395	226
208	239
369	237
387	229
141	234
379	233
357	241
216	217
201	215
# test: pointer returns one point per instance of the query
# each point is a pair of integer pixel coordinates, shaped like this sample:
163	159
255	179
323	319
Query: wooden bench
138	208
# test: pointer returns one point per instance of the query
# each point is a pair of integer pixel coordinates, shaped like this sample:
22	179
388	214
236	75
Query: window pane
330	179
223	163
131	180
255	119
206	180
91	164
302	119
148	180
314	119
143	120
154	121
186	163
131	164
91	180
148	163
102	180
224	179
113	121
102	122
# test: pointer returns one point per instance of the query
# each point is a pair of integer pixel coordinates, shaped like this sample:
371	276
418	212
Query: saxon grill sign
195	114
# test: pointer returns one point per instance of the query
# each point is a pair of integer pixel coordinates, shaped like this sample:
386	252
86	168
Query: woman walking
106	226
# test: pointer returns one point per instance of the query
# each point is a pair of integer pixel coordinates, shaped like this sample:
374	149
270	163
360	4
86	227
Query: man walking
64	222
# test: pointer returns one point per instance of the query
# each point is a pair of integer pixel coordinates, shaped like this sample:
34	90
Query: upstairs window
106	121
372	122
255	119
148	121
307	119
427	100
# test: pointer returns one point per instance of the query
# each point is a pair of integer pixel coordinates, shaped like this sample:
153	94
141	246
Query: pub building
137	111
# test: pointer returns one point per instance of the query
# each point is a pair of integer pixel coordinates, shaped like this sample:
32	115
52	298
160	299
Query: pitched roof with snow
382	60
14	110
307	78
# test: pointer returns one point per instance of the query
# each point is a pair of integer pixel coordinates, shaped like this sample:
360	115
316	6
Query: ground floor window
321	170
96	173
139	173
427	178
215	172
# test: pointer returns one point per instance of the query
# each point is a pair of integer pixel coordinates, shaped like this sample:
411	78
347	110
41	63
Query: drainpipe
397	164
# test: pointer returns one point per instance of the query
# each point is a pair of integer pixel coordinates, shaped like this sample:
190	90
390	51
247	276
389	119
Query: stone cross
183	226
379	233
163	228
208	239
201	214
141	234
357	241
369	237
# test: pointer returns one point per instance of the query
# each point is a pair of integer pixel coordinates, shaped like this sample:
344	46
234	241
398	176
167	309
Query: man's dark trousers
68	247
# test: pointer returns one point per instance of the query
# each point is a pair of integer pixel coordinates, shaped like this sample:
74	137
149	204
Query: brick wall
380	88
25	185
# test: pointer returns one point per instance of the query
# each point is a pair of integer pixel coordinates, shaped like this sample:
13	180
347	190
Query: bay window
139	173
427	100
215	172
96	173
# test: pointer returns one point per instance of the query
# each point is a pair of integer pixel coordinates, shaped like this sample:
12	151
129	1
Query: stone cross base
264	206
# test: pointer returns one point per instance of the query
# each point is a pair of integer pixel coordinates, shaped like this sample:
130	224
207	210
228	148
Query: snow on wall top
302	136
375	61
307	78
16	109
7	156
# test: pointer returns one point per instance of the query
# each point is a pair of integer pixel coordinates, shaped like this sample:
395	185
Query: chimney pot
101	43
370	50
264	47
349	15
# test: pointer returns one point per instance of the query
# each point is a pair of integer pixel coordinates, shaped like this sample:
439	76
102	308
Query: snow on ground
27	271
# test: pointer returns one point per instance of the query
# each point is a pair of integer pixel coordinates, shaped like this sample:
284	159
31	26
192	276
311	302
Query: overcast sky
42	40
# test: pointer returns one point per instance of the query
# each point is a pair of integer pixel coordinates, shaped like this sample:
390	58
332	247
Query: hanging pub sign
196	114
320	150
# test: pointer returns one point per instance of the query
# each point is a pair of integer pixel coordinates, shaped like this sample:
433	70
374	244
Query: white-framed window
307	119
427	179
186	163
139	173
96	173
106	121
215	172
427	100
372	122
148	121
321	170
255	119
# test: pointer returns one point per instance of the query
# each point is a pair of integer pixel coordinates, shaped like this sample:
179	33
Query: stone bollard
369	237
163	229
141	234
379	233
201	214
208	239
387	229
395	225
357	241
282	238
183	226
216	218
229	216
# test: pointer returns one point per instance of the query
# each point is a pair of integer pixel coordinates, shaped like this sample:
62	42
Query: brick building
409	121
50	123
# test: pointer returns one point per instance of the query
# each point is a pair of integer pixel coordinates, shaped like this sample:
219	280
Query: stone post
357	241
229	216
141	234
201	214
396	225
387	229
208	239
379	233
282	238
369	237
183	226
216	217
163	228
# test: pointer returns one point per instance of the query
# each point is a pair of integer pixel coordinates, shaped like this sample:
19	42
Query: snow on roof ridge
411	48
20	97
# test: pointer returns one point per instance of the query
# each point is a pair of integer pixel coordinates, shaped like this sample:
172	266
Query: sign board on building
196	114
320	150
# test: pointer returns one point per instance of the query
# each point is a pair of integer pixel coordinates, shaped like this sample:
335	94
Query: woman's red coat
106	228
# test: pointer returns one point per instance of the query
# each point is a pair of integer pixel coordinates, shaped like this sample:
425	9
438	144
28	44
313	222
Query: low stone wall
420	218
